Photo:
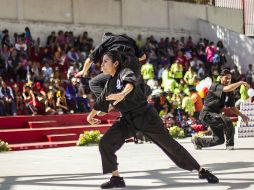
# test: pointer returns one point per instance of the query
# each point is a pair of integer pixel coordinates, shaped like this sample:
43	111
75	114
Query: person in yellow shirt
177	70
190	76
170	85
147	71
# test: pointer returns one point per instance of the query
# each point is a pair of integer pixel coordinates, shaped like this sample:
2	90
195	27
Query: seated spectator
147	71
39	77
5	54
222	53
71	93
61	103
189	43
190	76
139	41
72	71
201	72
13	62
28	37
21	46
82	100
176	70
22	68
6	95
195	63
182	60
57	73
210	53
47	71
50	104
236	76
72	55
6	38
197	100
39	91
18	97
32	104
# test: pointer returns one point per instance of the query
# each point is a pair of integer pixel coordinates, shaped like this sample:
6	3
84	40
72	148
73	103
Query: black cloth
122	44
212	117
116	84
137	115
216	99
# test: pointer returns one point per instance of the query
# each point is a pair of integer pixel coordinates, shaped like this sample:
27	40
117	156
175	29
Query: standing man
219	95
120	43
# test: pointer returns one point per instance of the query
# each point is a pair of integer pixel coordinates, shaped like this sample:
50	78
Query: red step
42	145
62	137
42	124
14	136
20	122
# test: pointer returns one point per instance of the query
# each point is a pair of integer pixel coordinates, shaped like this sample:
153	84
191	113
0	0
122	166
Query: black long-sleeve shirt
133	101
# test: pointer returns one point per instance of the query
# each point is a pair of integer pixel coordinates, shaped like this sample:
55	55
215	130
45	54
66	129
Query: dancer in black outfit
219	95
122	43
122	92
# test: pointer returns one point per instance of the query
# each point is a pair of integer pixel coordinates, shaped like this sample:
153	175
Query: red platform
34	132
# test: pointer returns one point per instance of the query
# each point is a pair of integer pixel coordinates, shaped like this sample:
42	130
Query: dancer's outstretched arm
85	69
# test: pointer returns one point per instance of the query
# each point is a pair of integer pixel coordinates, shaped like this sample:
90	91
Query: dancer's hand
245	84
93	121
90	118
245	119
118	97
80	74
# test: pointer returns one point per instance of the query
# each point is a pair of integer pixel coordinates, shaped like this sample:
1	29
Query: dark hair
192	89
117	56
225	72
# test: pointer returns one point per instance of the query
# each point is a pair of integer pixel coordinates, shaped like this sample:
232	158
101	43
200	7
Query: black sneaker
114	182
205	174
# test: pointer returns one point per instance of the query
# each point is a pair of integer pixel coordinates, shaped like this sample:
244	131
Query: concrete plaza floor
144	166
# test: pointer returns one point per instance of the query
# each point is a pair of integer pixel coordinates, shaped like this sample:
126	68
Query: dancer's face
226	79
108	66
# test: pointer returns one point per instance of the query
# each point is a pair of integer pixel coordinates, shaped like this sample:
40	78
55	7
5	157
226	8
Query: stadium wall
148	17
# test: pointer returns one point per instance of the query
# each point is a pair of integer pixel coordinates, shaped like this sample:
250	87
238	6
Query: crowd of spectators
38	79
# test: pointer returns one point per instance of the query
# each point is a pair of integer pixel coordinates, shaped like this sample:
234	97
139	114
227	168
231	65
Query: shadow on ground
163	178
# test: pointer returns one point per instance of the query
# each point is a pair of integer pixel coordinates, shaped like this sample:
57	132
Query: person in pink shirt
210	52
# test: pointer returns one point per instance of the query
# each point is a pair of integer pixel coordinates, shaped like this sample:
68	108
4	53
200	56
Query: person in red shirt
182	59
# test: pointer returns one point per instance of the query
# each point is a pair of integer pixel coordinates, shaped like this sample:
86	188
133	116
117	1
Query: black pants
219	125
152	127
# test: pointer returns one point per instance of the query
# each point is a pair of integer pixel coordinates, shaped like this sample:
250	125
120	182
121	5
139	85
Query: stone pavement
144	166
